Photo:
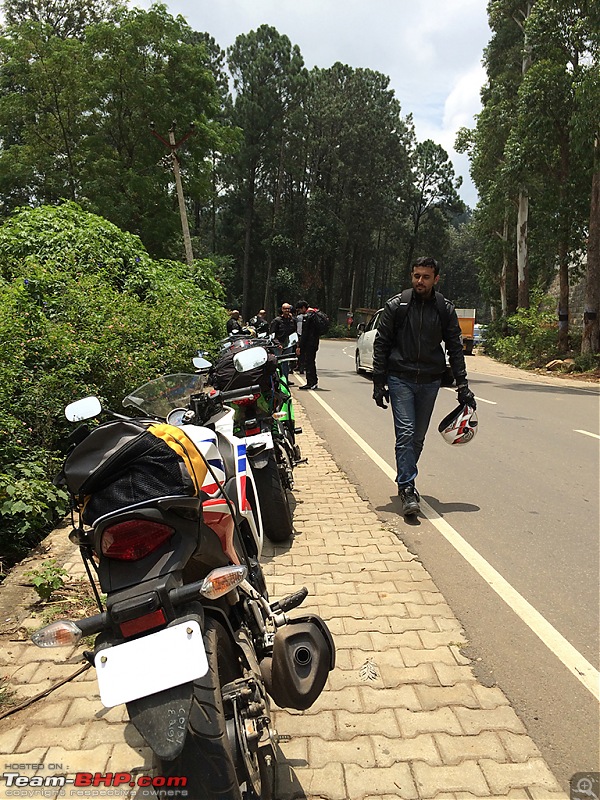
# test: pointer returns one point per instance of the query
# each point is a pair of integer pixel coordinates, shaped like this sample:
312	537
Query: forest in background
311	181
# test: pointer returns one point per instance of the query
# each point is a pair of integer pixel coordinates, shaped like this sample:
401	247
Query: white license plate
151	664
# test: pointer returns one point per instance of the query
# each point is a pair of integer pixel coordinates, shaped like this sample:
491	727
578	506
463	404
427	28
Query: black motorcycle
188	640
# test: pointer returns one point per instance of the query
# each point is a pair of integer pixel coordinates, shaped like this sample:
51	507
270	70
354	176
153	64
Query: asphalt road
525	495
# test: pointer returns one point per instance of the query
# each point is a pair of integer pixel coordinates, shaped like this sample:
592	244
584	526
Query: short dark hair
427	262
302	304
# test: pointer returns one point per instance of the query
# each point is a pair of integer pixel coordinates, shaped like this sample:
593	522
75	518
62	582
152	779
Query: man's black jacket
310	337
411	347
281	327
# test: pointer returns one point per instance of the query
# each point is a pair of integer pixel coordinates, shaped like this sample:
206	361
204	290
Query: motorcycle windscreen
151	664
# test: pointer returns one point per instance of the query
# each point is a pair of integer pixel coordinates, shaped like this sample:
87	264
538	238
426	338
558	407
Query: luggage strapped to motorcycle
124	462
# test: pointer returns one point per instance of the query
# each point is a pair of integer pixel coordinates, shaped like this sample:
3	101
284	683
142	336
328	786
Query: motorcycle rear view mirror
201	363
86	408
250	359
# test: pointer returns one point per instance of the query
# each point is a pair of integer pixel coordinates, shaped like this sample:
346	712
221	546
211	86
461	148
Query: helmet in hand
460	426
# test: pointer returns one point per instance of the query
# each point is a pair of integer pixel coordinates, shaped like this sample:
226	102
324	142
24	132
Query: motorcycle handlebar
238	394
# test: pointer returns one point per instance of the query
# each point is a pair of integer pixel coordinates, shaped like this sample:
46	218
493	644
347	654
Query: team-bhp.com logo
89	784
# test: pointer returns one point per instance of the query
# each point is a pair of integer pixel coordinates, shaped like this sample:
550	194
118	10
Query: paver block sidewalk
402	715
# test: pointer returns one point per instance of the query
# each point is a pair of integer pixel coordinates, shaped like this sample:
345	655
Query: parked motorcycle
166	519
266	421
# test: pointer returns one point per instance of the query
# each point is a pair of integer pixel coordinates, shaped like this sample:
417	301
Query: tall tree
435	189
265	68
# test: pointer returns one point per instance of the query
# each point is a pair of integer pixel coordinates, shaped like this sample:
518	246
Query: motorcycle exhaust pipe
303	656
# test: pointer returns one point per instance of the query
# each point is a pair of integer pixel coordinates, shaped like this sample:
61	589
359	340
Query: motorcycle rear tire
274	502
207	760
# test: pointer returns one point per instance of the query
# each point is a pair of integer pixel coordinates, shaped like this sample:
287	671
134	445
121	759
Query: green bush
527	338
83	310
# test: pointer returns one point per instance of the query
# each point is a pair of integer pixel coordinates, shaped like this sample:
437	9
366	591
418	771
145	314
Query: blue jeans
412	407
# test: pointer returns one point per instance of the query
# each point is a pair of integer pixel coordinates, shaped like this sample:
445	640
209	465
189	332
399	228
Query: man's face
286	310
423	280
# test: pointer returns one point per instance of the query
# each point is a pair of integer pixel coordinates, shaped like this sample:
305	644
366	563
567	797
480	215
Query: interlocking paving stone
402	715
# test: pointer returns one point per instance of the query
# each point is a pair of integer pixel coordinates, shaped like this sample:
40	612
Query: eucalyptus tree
560	37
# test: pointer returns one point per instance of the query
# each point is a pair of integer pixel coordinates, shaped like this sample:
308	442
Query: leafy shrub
47	578
83	310
340	332
29	505
527	338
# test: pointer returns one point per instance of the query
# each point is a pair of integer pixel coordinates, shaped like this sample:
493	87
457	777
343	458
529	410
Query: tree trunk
563	249
503	295
522	259
590	342
563	298
248	242
523	213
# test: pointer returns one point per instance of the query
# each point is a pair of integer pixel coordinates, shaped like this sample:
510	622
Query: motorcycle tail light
223	580
134	539
143	623
61	633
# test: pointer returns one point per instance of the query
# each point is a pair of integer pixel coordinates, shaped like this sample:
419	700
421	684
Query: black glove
466	396
381	395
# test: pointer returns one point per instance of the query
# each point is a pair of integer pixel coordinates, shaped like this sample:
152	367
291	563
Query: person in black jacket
409	359
308	344
260	322
234	323
281	328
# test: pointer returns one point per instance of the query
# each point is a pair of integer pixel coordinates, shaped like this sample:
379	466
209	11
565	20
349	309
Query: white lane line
554	641
587	433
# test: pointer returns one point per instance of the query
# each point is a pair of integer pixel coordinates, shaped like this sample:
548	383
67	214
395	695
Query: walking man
409	358
309	343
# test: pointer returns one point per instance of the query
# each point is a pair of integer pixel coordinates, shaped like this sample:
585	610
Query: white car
364	344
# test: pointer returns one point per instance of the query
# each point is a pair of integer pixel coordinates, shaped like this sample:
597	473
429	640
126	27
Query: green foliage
47	578
527	338
91	314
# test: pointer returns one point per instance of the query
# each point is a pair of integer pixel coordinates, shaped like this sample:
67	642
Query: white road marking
587	433
554	641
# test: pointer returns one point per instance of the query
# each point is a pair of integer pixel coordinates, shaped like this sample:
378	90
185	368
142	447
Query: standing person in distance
409	358
309	343
301	308
260	322
234	323
281	329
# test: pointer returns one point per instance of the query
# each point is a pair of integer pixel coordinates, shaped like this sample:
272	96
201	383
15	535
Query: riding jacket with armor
408	343
282	327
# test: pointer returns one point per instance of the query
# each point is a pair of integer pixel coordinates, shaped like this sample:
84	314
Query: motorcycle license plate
151	664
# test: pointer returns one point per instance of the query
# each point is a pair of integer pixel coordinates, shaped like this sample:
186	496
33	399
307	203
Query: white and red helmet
460	426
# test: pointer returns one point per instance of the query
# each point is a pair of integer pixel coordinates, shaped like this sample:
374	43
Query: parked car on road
478	334
363	357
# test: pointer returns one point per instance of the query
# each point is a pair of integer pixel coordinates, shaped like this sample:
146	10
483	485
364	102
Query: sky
431	50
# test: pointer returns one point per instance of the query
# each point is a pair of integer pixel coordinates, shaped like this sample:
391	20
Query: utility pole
173	145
